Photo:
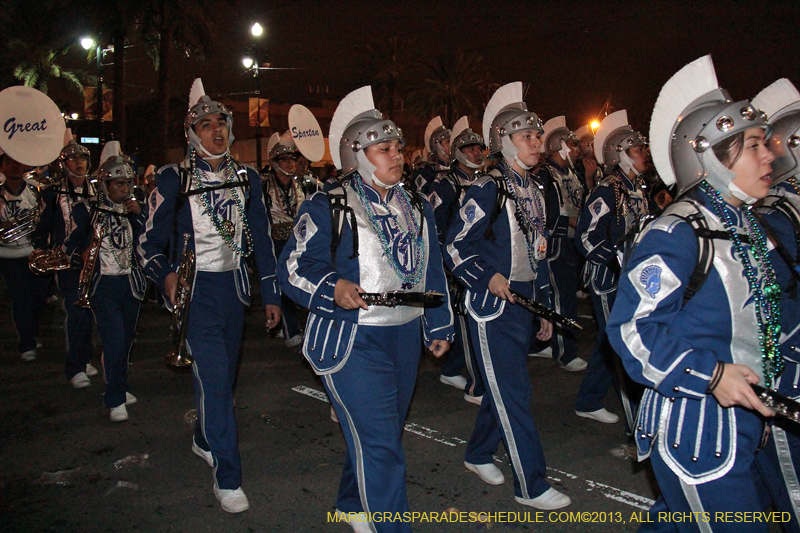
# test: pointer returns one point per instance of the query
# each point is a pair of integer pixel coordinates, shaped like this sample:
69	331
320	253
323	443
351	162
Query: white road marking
613	493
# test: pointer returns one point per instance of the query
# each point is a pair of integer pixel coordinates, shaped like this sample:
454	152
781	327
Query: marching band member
446	195
19	200
609	213
697	342
219	204
778	460
284	196
437	143
304	177
117	282
565	195
58	222
498	243
368	356
586	167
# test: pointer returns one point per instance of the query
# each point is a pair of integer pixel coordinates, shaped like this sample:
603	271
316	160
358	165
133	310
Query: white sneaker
473	399
459	382
30	355
90	370
232	501
546	353
358	521
552	499
488	473
130	399
119	413
576	365
200	452
80	380
601	415
294	341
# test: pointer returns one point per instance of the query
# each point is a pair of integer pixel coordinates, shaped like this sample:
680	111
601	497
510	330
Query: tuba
87	272
178	356
44	262
21	226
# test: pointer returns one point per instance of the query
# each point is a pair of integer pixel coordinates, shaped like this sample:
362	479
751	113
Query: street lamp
252	61
594	125
87	43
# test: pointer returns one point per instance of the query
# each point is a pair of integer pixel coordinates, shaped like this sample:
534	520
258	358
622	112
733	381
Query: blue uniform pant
461	356
605	369
371	394
289	323
501	347
27	293
778	464
736	491
77	324
116	311
564	275
214	337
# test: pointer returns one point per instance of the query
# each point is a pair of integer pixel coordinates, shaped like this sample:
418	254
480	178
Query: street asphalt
67	468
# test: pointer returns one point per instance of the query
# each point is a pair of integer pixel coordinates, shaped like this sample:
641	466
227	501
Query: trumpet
180	309
87	272
21	226
43	262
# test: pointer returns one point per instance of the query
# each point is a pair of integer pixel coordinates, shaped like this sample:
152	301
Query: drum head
306	133
32	126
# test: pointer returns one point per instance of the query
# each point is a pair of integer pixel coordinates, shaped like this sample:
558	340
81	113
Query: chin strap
564	152
740	194
510	152
626	164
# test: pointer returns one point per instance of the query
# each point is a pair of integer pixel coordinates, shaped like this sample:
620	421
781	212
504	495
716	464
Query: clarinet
543	311
782	405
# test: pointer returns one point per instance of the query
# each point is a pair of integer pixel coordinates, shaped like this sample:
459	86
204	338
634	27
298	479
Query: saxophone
87	272
180	309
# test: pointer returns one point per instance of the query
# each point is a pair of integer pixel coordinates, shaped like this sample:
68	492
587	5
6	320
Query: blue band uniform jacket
672	348
309	275
163	234
475	259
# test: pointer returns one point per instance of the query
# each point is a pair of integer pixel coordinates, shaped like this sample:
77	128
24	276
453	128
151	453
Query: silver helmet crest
201	105
506	114
462	137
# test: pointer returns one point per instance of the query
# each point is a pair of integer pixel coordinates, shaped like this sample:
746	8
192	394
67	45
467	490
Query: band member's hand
132	206
500	287
273	315
171	286
439	347
589	167
545	330
346	295
734	389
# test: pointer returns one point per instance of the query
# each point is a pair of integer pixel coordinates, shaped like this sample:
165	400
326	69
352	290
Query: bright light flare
594	125
87	43
256	30
247	62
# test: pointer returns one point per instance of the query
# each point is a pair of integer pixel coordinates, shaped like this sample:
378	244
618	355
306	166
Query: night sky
571	55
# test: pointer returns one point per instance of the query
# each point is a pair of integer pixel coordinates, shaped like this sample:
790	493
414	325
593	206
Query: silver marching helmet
201	105
435	133
691	116
781	103
506	114
73	150
356	125
461	137
114	166
281	145
584	132
613	138
557	137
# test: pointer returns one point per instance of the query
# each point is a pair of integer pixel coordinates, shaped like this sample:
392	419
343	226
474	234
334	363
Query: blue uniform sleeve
649	298
78	239
441	198
438	321
157	235
305	269
593	232
264	247
466	232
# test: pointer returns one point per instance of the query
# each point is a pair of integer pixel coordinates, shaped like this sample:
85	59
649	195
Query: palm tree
169	26
41	67
391	66
450	86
